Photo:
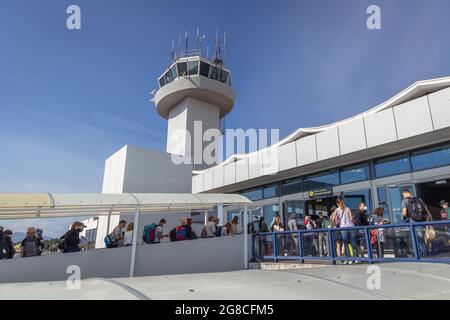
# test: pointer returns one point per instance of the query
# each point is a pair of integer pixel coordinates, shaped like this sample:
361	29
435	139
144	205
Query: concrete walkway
397	281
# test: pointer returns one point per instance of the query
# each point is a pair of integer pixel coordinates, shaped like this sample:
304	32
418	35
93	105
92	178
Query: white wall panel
380	128
352	136
327	144
440	108
287	156
413	118
306	150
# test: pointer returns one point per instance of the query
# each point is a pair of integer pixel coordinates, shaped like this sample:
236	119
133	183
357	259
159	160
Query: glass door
294	207
395	201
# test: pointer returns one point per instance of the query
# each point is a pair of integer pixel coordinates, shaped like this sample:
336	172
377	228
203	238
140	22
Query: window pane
193	68
204	69
253	195
173	71
352	199
291	186
270	191
214	73
436	157
321	181
182	69
270	211
224	76
354	174
167	77
391	166
162	82
229	81
383	200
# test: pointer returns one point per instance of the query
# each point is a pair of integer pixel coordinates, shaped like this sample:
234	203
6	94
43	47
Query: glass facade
270	191
354	198
193	67
431	158
291	186
253	195
392	166
321	181
270	211
354	174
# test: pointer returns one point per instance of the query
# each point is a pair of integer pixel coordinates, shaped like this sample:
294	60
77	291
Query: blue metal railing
392	242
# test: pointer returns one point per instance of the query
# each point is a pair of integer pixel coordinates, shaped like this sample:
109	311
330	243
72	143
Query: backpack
417	209
62	245
181	233
110	241
173	235
149	233
30	247
361	219
4	249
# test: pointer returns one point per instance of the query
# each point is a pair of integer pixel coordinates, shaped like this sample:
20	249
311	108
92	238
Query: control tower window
214	73
182	69
229	81
173	71
167	77
162	82
224	76
204	69
193	68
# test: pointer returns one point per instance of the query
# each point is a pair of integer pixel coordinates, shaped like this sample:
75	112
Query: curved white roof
28	205
416	90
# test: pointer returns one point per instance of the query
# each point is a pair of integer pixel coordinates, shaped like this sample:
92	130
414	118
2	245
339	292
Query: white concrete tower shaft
194	95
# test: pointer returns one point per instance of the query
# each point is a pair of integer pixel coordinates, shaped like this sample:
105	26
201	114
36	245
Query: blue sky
69	99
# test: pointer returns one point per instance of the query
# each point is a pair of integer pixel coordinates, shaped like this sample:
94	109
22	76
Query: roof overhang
52	205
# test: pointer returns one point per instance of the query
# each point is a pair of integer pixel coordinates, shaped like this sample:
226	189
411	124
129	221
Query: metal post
245	238
300	249
275	247
134	244
414	241
332	247
206	218
368	245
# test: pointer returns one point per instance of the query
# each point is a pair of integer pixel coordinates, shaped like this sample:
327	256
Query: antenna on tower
172	53
186	44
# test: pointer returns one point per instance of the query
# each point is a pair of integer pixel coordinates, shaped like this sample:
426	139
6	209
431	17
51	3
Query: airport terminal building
403	142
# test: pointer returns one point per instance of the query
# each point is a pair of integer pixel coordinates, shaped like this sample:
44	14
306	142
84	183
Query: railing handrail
372	226
331	254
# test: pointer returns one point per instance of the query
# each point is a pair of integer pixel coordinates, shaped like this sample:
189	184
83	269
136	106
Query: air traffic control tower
194	95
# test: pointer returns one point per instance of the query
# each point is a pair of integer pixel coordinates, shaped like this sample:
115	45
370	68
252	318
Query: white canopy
30	205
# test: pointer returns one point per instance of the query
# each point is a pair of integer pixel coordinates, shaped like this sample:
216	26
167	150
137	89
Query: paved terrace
398	281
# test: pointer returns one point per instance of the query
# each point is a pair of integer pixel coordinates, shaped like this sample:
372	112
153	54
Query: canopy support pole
245	237
134	243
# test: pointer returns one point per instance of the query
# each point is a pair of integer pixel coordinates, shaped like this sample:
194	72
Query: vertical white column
245	237
134	243
206	217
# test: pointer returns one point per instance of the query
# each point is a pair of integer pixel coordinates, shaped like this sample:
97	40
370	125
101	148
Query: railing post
300	244
254	246
134	244
275	247
414	241
332	248
368	245
245	237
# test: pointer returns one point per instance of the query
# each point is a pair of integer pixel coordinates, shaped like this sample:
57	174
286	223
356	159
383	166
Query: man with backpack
30	245
154	233
70	242
414	209
254	226
183	231
6	247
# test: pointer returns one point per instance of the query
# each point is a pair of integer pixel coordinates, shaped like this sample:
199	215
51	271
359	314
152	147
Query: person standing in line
6	246
377	236
415	210
323	242
72	238
235	226
335	223
445	210
30	245
347	221
293	238
128	236
361	220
